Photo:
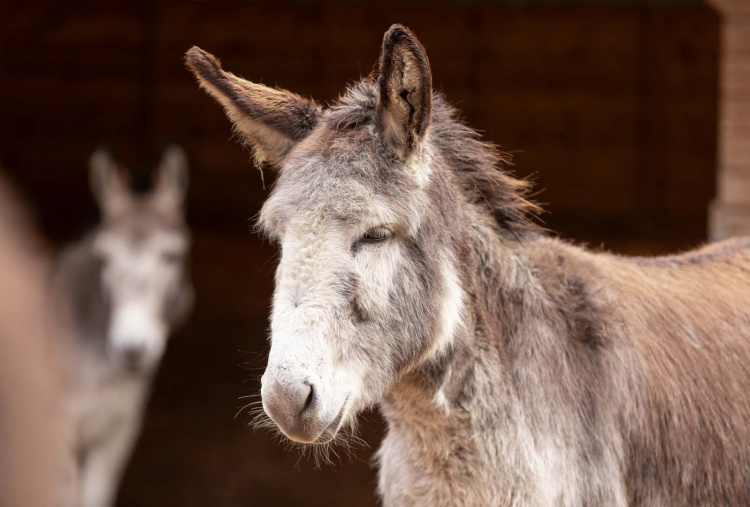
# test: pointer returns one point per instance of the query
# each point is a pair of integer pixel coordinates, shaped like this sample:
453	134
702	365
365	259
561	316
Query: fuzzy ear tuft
108	184
171	179
271	121
404	105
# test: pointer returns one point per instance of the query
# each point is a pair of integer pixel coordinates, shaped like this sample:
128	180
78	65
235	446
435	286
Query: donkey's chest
456	471
470	465
99	412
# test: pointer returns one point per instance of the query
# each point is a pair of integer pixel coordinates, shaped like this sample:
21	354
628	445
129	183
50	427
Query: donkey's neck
464	402
502	277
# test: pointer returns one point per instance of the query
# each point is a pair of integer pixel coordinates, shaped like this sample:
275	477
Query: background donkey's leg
104	465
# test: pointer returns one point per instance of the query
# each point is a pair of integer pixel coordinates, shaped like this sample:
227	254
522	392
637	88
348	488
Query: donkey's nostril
294	407
133	356
310	401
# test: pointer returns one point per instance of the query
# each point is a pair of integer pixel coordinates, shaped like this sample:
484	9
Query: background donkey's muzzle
137	336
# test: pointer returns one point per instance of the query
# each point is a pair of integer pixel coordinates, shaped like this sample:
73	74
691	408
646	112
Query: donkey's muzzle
293	407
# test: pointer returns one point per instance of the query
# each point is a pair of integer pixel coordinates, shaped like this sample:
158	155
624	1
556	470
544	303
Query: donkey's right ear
108	183
271	121
404	106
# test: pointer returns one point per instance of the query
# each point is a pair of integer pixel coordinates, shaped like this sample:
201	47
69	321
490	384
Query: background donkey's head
141	248
368	212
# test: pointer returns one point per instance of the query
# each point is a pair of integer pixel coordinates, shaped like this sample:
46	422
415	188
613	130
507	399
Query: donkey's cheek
451	310
377	268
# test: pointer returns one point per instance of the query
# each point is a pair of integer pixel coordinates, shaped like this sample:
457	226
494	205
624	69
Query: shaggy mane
479	166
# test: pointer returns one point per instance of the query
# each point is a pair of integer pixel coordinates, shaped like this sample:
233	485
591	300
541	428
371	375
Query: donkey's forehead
353	151
142	231
343	176
340	201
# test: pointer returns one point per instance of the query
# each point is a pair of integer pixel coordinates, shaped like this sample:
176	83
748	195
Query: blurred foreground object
31	426
122	289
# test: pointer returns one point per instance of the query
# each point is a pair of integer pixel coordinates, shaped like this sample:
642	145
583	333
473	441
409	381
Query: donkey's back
685	353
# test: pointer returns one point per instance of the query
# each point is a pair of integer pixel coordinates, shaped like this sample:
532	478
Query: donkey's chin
319	432
333	428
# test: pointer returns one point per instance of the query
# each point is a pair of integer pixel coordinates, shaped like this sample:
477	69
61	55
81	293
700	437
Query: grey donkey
511	367
122	289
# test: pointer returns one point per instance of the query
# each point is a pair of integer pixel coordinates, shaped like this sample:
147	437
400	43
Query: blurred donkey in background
123	288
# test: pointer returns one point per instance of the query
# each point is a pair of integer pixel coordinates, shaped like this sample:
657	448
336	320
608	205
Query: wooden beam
730	212
731	7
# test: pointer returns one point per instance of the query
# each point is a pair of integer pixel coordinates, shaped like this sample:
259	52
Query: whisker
251	404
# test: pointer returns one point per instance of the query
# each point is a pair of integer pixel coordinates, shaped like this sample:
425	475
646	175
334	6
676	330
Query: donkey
122	288
511	367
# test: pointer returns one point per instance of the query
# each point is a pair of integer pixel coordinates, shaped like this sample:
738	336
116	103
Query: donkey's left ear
404	103
271	121
171	179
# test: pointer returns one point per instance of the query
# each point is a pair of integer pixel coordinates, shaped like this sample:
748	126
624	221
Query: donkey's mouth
333	428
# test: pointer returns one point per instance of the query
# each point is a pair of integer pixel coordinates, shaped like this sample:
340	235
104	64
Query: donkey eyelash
375	235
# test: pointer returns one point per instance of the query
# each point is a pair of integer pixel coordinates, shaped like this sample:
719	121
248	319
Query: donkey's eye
172	257
101	262
376	235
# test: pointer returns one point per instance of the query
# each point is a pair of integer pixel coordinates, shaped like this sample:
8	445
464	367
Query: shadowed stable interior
612	109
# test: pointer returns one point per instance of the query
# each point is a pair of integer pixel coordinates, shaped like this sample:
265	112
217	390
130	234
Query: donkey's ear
108	183
171	179
271	121
404	104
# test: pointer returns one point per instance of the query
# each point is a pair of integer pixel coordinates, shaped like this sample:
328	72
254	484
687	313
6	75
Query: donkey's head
141	246
369	221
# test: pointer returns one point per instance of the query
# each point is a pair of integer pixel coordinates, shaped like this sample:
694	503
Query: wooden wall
612	110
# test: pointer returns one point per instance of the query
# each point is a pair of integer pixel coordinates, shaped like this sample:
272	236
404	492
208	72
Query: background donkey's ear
271	121
108	183
405	91
171	179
